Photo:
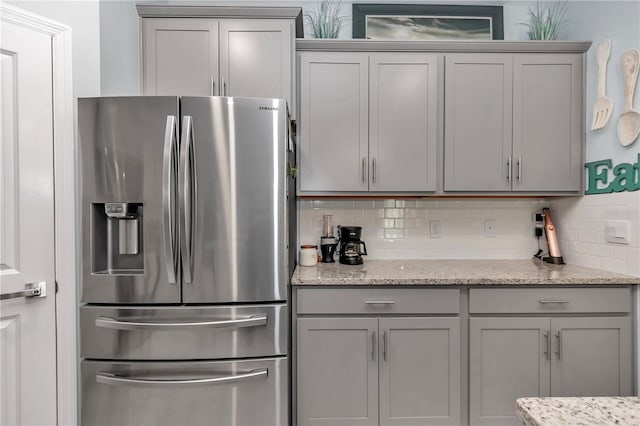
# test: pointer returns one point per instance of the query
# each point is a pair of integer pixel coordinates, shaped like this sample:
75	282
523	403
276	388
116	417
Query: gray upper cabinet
419	371
478	103
337	371
368	122
256	58
333	121
403	105
514	122
179	56
210	51
547	122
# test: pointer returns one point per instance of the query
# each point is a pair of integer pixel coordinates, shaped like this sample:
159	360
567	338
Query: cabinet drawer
379	301
549	300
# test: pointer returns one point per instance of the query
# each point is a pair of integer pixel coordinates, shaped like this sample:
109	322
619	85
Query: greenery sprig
325	20
545	21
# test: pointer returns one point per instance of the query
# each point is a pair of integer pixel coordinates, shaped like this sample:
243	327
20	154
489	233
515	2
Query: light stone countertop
454	272
579	411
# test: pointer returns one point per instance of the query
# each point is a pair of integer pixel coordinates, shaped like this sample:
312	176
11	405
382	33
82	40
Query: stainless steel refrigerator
186	221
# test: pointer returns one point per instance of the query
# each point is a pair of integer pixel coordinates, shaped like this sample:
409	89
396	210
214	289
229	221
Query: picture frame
427	22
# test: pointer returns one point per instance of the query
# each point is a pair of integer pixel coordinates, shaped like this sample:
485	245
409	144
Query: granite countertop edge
613	410
455	273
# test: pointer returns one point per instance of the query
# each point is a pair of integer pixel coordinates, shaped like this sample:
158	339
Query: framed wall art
427	22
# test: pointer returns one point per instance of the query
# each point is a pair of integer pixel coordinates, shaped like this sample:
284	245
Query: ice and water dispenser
117	238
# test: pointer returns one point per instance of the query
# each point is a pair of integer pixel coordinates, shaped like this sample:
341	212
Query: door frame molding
64	206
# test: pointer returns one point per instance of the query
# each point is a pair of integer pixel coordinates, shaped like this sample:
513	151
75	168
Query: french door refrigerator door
128	150
244	392
233	208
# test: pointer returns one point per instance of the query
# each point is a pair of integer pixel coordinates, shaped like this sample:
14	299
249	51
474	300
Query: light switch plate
616	231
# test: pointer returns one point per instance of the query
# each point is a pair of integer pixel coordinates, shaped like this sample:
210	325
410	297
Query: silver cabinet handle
509	169
545	301
519	168
547	351
188	188
37	289
364	169
224	87
558	338
169	167
252	321
379	302
213	86
111	379
373	169
373	346
384	345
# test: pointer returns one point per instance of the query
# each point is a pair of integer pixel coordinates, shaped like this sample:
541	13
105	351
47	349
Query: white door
27	324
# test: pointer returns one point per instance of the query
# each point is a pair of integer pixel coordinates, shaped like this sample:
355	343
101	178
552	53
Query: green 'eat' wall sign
626	177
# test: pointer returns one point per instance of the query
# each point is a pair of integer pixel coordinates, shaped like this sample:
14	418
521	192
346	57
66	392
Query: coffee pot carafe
351	247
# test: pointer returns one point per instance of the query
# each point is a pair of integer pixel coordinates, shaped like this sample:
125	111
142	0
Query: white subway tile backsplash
395	229
581	224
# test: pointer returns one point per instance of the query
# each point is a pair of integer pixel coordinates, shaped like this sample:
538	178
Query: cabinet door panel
547	122
403	121
337	371
180	56
478	100
419	371
507	361
334	121
255	58
591	356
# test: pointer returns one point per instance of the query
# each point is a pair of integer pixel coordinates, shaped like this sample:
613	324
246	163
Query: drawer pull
252	321
543	301
114	380
380	302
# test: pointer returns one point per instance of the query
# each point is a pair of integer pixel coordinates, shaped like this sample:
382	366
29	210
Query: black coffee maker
350	245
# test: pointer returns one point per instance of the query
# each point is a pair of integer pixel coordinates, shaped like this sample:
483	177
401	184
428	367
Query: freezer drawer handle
252	321
112	379
543	301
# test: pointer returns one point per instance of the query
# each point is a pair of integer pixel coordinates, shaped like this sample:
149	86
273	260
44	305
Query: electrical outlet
489	228
435	229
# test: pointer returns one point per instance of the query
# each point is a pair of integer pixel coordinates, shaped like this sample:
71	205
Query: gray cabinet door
403	128
547	122
508	359
419	371
334	121
477	130
256	58
337	371
179	56
591	356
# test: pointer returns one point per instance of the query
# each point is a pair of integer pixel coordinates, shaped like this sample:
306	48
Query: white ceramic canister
308	255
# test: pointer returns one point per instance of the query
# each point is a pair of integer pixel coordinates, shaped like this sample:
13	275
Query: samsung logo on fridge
268	108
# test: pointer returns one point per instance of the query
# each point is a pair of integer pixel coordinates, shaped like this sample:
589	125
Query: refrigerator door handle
114	380
188	191
169	166
251	321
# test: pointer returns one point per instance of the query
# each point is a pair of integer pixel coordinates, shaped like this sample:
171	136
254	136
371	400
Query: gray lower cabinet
419	365
368	121
378	371
513	357
514	122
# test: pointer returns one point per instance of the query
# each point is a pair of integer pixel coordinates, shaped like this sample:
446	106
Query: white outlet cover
435	229
490	228
617	231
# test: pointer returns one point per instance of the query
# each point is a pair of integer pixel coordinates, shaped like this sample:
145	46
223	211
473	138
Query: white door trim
64	200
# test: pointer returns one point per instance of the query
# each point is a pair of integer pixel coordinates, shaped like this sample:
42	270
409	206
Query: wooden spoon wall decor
629	122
